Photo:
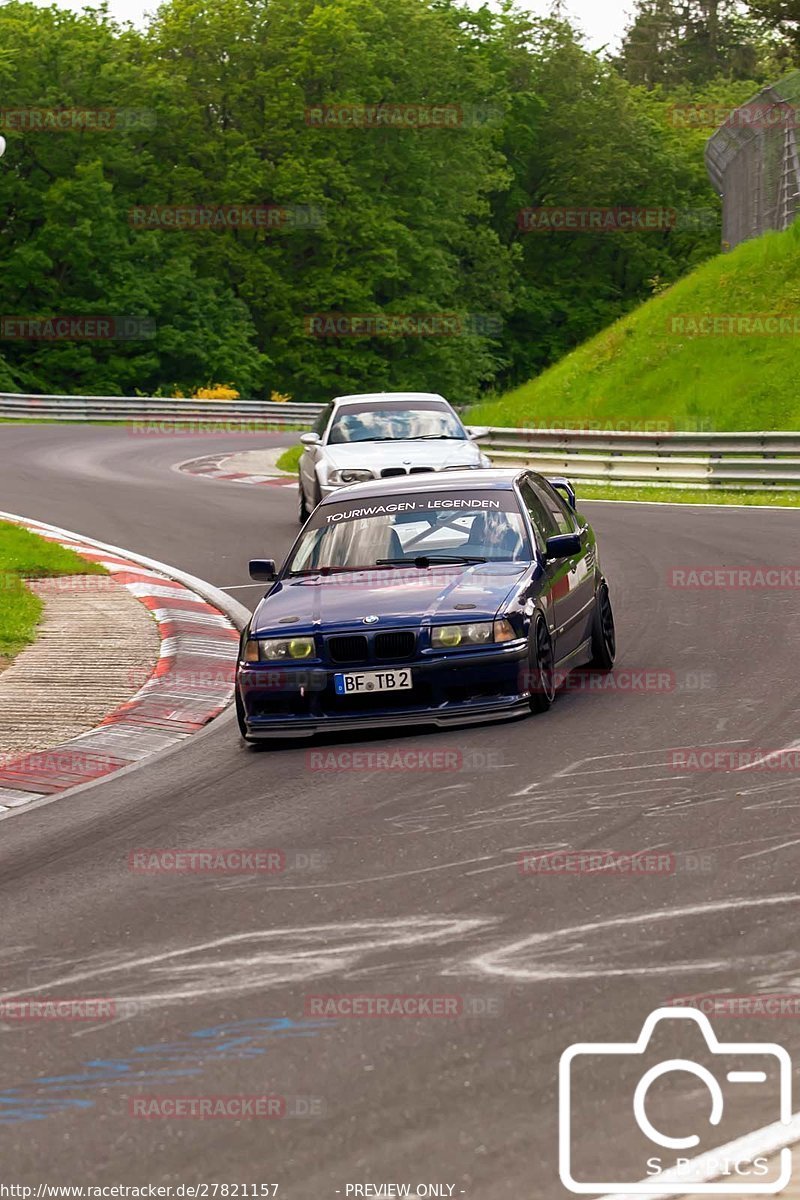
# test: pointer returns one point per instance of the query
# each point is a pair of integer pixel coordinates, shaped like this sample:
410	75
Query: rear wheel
604	637
302	507
542	668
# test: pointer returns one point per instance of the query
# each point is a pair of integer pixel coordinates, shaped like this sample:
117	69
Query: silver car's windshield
390	422
389	532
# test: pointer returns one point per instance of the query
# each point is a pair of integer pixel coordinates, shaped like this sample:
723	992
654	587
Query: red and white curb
191	683
210	467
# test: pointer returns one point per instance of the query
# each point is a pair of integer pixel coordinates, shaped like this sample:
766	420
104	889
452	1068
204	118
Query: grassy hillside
24	555
642	369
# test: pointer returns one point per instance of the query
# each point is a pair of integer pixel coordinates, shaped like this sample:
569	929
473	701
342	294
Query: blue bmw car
440	599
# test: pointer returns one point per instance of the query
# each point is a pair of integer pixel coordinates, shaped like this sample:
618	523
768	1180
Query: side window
322	420
557	508
543	525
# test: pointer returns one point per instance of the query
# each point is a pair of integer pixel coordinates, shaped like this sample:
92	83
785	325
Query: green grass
25	555
639	374
662	495
290	459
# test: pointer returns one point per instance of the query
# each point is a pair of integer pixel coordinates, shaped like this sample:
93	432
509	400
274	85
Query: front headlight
279	649
349	475
479	633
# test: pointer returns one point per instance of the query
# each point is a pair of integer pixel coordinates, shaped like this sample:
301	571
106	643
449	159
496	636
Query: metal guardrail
155	409
749	461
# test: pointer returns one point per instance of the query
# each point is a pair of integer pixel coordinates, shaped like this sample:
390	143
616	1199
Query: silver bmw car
380	435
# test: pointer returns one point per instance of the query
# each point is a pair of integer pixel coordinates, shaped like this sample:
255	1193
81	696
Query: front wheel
604	637
302	507
240	719
542	669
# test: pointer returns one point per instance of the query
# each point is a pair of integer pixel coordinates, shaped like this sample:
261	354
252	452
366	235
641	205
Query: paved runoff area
246	466
127	665
95	647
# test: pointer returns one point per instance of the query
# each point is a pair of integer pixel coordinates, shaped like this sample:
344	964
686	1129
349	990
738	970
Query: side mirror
476	431
565	488
263	570
562	546
309	439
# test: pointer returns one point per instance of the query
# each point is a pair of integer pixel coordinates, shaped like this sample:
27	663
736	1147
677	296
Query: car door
558	572
556	586
579	609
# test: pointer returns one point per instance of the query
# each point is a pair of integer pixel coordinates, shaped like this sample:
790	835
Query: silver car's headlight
279	649
349	475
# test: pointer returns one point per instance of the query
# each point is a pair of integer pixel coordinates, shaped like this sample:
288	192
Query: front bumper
457	689
327	489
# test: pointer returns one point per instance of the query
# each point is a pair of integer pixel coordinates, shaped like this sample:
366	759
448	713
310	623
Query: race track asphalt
413	886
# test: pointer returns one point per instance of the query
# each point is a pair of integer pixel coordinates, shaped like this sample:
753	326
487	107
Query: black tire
302	508
542	668
604	636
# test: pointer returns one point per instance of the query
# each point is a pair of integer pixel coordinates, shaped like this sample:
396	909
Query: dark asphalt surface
415	888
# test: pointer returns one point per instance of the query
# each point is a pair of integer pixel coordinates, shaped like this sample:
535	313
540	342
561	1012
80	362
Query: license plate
356	683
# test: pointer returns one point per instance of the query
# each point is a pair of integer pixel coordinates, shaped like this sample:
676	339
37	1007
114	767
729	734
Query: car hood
395	596
376	455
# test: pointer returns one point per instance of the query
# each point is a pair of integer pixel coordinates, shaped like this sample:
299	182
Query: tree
673	42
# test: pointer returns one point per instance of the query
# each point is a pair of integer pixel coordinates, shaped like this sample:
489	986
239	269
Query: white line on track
238	587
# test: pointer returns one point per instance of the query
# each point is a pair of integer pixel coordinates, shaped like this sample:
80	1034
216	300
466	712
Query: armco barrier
749	461
154	408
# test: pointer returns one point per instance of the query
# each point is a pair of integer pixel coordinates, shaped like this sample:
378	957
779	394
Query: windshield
390	423
431	528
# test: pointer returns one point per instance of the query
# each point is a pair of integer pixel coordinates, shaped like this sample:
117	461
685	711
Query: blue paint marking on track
48	1095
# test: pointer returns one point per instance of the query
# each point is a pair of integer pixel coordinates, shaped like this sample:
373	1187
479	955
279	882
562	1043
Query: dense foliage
225	105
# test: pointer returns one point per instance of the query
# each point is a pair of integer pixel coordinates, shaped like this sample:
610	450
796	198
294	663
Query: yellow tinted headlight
448	637
277	649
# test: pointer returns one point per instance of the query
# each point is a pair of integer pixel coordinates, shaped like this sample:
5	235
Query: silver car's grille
389	472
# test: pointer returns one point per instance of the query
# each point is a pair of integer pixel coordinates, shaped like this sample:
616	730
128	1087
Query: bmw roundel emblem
370	620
